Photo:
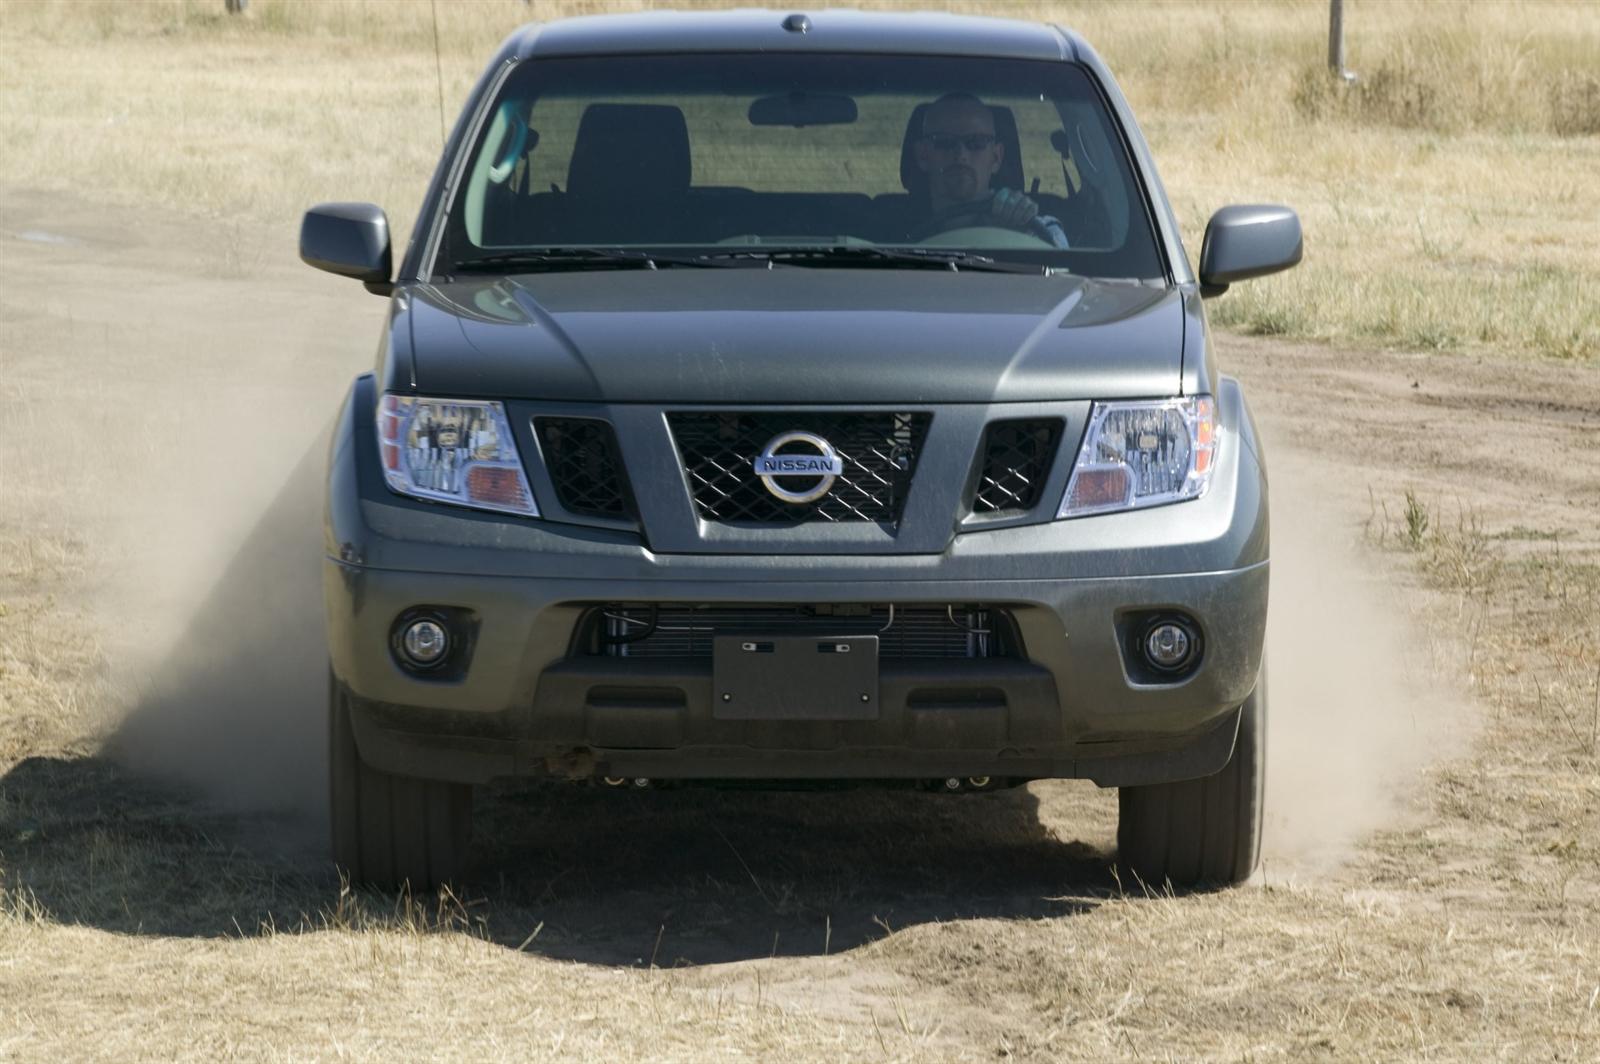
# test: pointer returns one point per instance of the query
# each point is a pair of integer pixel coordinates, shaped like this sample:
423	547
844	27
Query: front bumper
527	707
529	704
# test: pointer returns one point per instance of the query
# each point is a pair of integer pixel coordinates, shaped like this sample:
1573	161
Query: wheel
1205	831
390	831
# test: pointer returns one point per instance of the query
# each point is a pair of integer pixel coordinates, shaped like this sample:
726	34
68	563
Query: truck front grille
581	455
1017	456
921	632
879	451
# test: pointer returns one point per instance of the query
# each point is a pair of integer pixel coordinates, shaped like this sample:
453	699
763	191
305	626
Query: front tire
391	831
1205	831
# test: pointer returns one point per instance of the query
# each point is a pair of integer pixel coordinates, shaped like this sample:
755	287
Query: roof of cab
909	33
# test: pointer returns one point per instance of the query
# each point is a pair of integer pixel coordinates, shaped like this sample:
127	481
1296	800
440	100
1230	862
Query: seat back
627	150
626	181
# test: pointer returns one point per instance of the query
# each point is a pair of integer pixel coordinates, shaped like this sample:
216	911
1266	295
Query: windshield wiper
858	255
553	259
867	255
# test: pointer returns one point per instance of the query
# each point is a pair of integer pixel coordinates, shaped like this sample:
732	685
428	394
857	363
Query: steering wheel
959	216
978	214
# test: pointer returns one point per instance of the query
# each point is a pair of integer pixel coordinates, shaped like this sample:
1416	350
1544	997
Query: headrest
913	180
630	150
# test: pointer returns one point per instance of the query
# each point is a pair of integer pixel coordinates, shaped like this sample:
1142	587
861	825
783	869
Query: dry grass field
1428	383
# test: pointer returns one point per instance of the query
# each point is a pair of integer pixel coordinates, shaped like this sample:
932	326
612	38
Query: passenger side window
1038	126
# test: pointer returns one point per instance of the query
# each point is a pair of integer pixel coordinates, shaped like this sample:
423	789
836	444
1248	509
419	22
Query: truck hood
795	335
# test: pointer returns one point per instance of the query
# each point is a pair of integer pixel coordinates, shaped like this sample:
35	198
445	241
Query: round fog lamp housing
1168	646
425	642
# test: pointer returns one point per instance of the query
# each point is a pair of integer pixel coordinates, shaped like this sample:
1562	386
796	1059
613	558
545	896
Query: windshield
704	157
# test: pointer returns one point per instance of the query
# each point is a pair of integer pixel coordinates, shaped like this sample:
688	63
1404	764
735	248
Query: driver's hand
1012	209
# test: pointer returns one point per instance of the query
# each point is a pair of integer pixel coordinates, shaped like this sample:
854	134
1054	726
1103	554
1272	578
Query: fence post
1336	36
1336	41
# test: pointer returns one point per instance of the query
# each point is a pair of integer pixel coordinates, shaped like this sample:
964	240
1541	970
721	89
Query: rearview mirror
1247	241
803	109
351	240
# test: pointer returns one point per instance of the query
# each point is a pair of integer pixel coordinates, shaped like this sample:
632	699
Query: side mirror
1247	241
351	240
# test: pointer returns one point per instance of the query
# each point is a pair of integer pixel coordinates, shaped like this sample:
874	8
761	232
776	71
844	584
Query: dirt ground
1431	886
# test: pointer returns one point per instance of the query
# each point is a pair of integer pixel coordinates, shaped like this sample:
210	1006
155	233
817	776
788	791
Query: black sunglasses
951	142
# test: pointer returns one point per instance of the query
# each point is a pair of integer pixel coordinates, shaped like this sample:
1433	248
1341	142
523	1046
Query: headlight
453	450
1143	454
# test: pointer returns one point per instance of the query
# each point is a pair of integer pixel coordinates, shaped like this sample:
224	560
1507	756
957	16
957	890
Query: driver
960	153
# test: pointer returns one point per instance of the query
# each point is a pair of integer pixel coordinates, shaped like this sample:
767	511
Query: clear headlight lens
453	450
1143	454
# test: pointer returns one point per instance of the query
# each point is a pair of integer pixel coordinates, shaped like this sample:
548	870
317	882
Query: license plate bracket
794	677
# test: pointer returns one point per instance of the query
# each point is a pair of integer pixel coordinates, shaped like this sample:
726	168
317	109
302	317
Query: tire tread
389	831
1202	831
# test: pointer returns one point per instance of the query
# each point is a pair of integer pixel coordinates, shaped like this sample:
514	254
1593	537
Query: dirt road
1432	880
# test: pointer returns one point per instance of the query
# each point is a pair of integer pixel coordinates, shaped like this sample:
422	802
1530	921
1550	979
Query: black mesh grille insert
921	632
581	455
1016	461
879	451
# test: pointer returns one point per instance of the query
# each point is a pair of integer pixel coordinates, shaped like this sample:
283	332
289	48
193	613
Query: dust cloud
218	403
1360	700
235	702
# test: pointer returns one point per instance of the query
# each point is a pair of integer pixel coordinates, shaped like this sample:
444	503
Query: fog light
425	642
1168	646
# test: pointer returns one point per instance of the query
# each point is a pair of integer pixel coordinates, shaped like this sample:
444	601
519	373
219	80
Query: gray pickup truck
808	399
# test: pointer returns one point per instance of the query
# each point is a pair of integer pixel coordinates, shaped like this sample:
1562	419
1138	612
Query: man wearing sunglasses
960	154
